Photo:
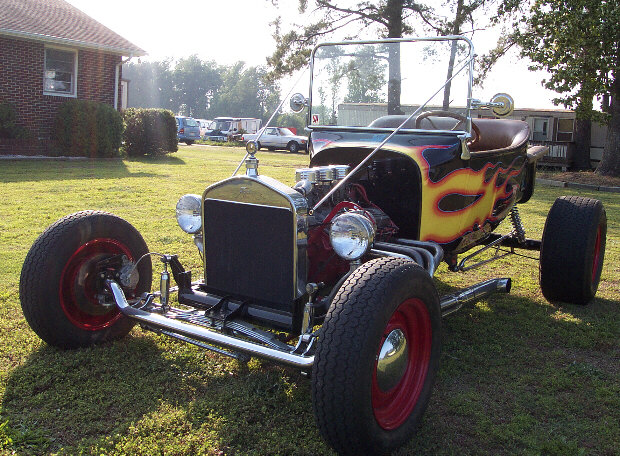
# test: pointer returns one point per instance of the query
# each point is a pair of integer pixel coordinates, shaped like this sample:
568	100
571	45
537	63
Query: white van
227	128
204	126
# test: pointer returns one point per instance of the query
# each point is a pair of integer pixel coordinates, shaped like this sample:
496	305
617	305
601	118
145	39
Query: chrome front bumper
160	322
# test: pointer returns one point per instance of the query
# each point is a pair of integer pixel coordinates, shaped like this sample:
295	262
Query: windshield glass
220	125
189	122
354	84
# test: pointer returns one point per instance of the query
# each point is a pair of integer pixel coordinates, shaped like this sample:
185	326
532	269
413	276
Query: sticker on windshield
315	118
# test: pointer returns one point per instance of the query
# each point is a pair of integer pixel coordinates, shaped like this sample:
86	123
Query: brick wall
21	83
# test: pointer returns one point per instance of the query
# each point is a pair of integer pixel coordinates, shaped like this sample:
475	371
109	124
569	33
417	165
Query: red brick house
49	52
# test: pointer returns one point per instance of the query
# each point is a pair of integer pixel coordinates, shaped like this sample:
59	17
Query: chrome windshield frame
468	63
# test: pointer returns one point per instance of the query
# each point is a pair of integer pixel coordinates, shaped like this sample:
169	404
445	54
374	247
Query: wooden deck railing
559	154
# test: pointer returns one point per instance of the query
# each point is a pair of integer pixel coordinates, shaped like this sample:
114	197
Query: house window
60	74
565	130
541	127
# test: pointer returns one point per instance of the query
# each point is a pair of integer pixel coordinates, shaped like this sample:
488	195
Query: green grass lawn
518	375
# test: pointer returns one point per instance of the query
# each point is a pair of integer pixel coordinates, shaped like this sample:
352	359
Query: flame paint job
478	193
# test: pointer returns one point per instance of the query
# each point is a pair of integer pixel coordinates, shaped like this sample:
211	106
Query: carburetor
314	183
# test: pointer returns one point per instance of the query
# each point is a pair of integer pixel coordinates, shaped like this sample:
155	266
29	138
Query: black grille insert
249	251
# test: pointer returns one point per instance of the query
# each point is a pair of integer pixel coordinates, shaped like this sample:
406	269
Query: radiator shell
254	231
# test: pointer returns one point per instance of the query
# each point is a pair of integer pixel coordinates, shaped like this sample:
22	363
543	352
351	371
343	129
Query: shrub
8	128
149	132
87	128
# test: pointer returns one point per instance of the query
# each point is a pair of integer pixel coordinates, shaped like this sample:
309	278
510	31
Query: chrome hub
392	360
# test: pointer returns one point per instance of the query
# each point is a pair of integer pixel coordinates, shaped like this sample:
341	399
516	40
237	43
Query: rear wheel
189	142
293	147
573	249
62	291
377	357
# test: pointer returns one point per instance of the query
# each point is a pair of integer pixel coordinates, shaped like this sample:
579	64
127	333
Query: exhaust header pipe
452	303
201	334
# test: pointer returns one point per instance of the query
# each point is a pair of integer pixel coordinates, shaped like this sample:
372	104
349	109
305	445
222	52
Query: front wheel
377	357
573	249
62	290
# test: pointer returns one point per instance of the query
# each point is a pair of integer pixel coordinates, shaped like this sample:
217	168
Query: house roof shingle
59	22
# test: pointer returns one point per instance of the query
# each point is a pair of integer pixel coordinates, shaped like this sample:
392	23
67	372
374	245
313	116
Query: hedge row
8	126
149	132
87	128
90	129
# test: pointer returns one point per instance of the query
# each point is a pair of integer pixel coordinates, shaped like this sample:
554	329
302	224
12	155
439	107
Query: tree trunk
610	163
583	127
394	81
394	14
583	135
456	29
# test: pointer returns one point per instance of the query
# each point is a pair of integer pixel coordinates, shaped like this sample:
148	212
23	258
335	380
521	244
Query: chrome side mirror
501	104
298	102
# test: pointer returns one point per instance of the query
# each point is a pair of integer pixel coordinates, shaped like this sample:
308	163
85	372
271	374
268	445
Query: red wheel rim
597	254
80	285
392	408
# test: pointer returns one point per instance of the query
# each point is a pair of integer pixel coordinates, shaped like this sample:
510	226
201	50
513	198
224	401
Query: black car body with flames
335	276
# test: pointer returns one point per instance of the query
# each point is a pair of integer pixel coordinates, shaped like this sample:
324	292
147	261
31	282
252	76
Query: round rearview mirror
503	104
298	102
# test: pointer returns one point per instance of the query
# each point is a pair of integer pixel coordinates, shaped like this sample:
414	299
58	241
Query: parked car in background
279	138
228	128
204	126
188	130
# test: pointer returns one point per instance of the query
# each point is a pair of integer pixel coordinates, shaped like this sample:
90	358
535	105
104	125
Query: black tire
59	284
354	413
573	249
189	143
292	147
258	146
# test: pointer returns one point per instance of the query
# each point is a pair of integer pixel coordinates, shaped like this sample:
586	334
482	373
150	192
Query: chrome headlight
351	235
188	213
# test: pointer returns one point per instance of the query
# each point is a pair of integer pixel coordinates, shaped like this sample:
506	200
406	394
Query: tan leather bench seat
495	134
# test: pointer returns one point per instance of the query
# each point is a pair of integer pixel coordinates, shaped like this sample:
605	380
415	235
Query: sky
239	30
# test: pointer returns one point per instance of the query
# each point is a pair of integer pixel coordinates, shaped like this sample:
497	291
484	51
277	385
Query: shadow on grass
74	401
36	171
517	376
166	159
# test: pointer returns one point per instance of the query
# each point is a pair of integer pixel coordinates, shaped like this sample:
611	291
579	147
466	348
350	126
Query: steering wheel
461	121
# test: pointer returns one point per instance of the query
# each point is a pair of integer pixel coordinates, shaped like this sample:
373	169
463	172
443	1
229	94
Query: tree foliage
245	93
195	84
202	89
366	79
379	19
578	43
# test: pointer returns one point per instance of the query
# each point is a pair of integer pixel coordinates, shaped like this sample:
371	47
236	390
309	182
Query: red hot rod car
335	276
